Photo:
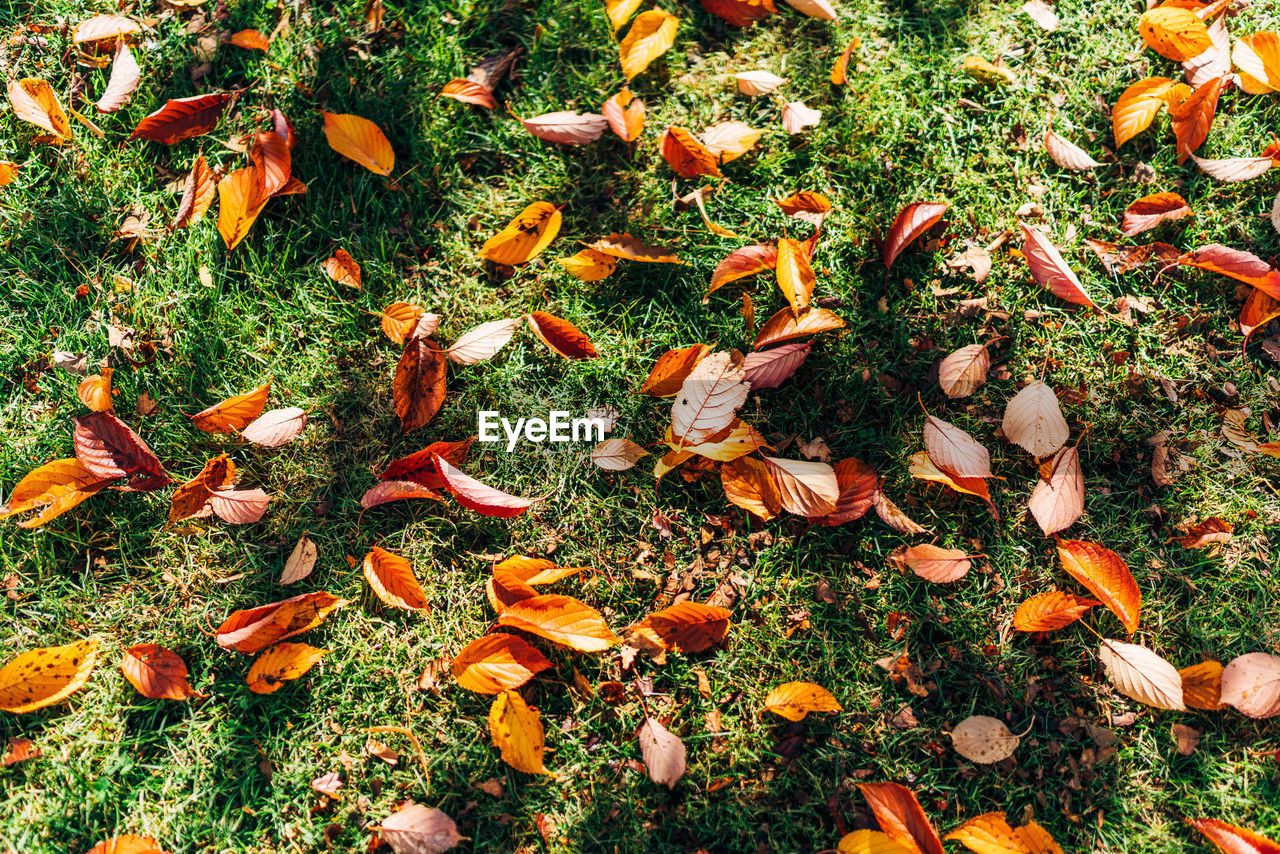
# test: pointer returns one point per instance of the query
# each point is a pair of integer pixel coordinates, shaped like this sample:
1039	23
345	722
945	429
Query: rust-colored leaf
419	385
156	672
250	40
197	195
254	630
686	155
912	221
685	627
561	336
748	484
1236	263
480	497
747	261
1050	269
933	563
785	326
109	449
182	118
1209	532
1230	839
1149	211
1193	117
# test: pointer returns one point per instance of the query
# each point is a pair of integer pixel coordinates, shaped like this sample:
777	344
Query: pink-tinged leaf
109	449
955	451
397	490
125	76
276	427
912	221
239	506
1067	154
1058	500
566	127
1234	840
625	114
1149	211
796	117
1235	169
1050	269
1236	263
480	497
859	485
770	368
1215	61
469	92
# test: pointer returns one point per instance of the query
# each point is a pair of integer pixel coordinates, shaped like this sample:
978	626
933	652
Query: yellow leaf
525	237
651	35
360	140
1174	33
517	732
43	677
620	11
870	842
590	265
281	663
795	700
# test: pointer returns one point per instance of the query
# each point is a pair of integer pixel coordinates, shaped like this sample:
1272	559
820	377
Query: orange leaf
1106	576
561	336
686	626
397	490
271	155
56	486
127	844
525	237
250	40
156	672
1149	211
240	200
33	101
912	221
182	118
1174	33
1202	686
95	391
197	196
686	155
1236	263
44	677
955	451
784	326
234	413
1050	269
1230	839
561	619
740	13
626	246
795	700
741	263
747	484
933	563
282	663
1137	108
795	276
1210	531
671	370
922	466
588	265
858	485
840	69
1047	612
625	114
1193	117
400	319
806	205
343	269
651	35
496	663
480	497
256	629
193	496
360	140
469	92
419	385
392	579
992	834
900	816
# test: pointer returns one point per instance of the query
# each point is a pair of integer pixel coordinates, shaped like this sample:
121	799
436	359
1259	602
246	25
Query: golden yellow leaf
281	663
33	101
795	700
517	731
361	140
651	35
525	236
43	677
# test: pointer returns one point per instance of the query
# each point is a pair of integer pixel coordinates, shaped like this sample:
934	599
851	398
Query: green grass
230	772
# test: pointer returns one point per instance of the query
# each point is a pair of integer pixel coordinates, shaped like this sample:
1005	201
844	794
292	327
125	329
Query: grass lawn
230	772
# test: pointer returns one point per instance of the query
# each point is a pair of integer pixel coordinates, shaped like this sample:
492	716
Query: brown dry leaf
561	336
626	246
1202	686
560	619
361	141
893	516
19	750
182	118
343	269
56	486
1140	674
1104	574
33	101
524	238
933	563
419	385
416	829
517	732
254	630
1033	420
663	753
911	222
197	195
496	663
233	414
964	371
1050	611
1211	532
748	484
300	562
44	677
282	663
785	326
1187	738
900	816
392	579
156	672
983	739
651	35
795	700
1251	684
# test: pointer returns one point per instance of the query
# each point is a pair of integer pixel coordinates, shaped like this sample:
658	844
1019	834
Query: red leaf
901	817
1236	263
770	368
1149	211
479	497
1234	840
561	336
182	118
1050	269
108	448
421	467
912	221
